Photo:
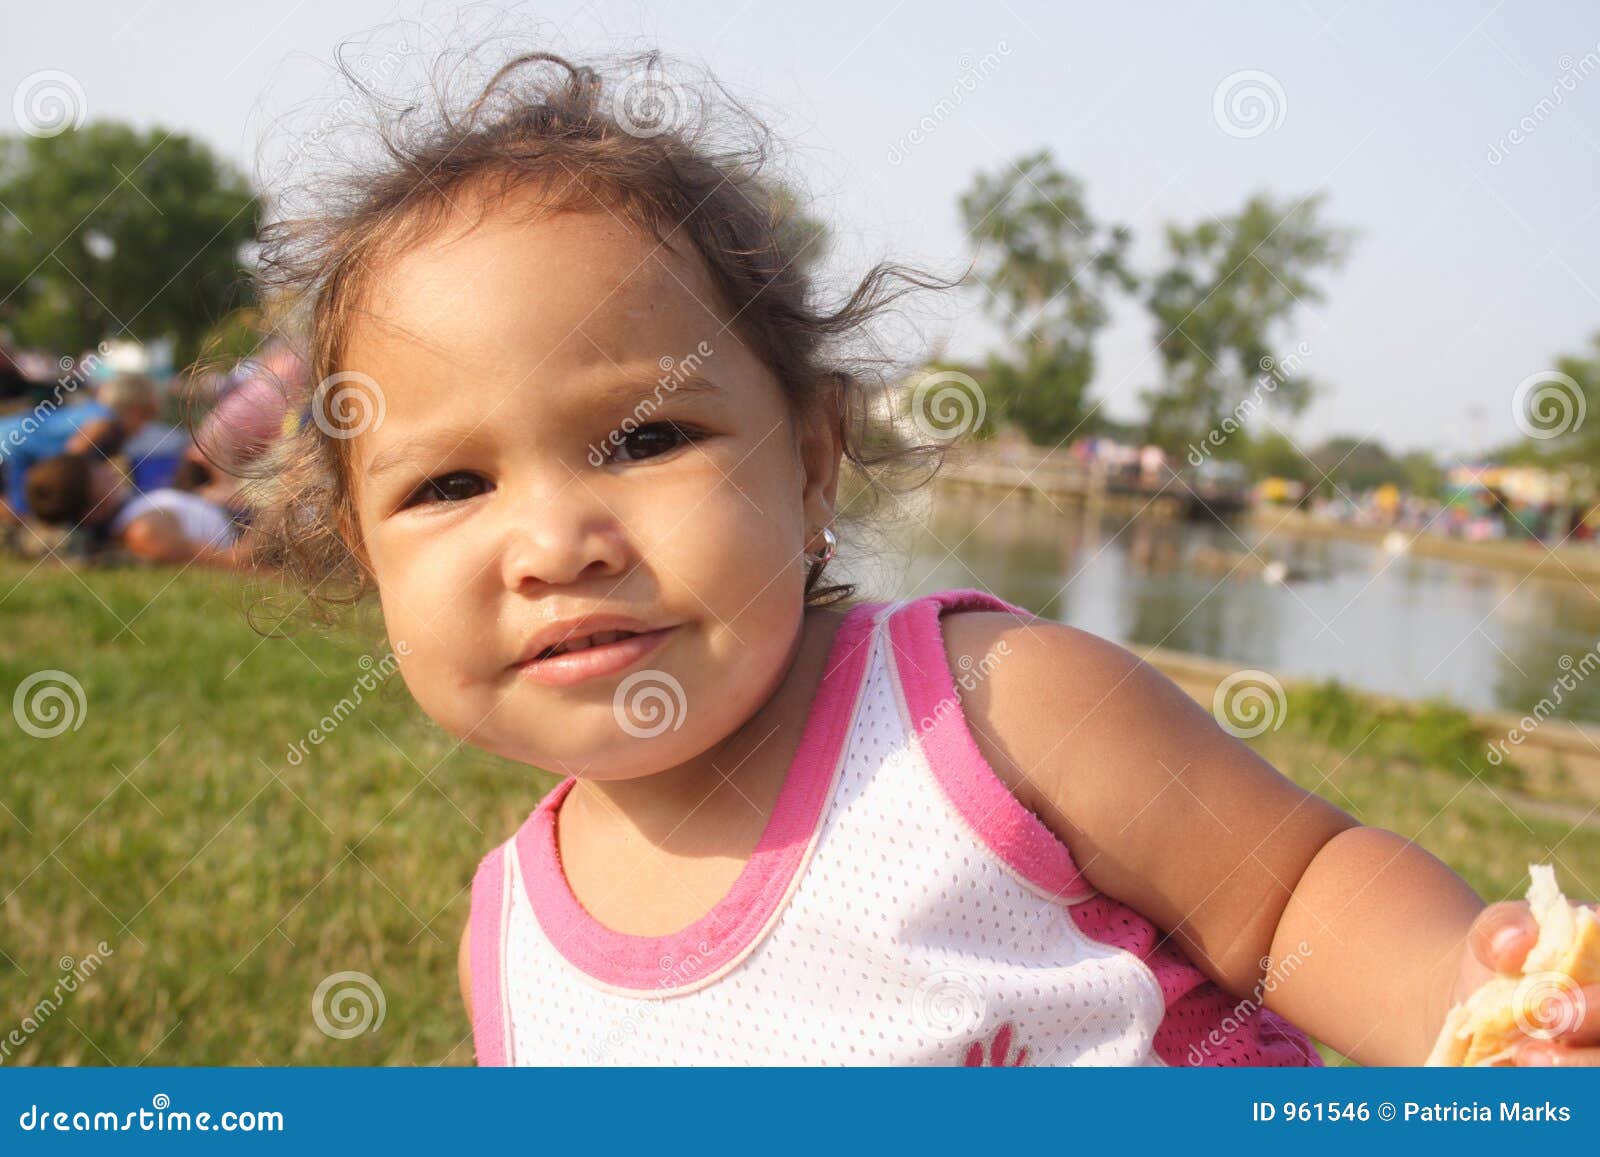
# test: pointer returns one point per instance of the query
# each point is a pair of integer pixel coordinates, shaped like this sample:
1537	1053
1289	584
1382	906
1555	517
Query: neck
681	801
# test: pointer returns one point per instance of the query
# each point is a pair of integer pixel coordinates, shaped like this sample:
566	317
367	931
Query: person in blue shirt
125	405
32	437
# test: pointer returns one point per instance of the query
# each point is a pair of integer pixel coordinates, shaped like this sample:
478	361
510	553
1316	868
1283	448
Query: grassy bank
228	879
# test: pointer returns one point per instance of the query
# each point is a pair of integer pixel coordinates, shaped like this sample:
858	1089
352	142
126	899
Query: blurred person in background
91	496
247	415
124	406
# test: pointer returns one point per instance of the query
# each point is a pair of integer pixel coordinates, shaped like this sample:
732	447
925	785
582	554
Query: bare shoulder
1160	807
464	969
1039	696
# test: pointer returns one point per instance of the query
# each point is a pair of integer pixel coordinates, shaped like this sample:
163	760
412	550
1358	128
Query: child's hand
1498	942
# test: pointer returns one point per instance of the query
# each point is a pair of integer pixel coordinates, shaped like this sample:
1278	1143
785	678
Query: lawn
229	876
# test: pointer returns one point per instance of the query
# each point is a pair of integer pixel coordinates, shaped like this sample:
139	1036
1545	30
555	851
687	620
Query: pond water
1402	625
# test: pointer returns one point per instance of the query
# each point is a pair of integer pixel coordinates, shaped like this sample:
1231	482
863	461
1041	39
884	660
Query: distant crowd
108	470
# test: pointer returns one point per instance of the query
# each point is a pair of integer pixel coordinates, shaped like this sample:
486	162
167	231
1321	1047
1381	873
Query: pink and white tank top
901	908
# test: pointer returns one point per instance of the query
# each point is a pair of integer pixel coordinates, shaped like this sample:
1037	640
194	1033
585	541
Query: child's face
521	475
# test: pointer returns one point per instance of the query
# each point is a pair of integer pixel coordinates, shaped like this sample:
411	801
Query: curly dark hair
699	177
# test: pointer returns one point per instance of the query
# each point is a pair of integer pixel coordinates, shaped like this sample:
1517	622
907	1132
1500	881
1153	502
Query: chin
603	754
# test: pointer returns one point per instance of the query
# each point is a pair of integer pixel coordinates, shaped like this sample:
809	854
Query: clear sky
1478	260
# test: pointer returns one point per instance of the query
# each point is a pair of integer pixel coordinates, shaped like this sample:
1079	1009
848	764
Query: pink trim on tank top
1190	1033
979	796
1194	1006
692	955
485	940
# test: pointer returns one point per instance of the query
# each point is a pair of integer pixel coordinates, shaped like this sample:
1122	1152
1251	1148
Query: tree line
111	231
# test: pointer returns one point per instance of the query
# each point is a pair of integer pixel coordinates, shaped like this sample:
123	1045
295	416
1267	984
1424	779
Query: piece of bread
1487	1027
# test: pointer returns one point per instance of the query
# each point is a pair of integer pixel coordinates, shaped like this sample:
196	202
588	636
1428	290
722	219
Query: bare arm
157	537
1170	814
1384	925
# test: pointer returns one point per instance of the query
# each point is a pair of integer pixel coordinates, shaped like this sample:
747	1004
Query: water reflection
1401	625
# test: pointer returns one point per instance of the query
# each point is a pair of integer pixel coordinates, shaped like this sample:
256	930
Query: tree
1045	263
1229	286
1269	455
1558	411
113	232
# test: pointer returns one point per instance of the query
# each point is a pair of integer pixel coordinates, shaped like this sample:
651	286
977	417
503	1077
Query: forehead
519	320
536	287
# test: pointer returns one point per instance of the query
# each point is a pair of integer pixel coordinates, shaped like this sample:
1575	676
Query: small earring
830	547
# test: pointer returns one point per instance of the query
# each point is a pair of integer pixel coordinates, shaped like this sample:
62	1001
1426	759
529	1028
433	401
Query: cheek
423	597
734	537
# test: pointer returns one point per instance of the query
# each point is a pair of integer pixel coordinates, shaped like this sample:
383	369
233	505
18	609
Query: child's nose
561	541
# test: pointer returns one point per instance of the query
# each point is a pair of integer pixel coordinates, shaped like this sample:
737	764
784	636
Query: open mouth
591	656
598	639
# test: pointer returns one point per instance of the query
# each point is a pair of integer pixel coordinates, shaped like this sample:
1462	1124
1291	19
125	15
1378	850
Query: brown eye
654	439
454	487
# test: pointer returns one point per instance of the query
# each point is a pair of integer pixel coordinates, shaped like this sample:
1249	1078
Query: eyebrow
394	457
622	391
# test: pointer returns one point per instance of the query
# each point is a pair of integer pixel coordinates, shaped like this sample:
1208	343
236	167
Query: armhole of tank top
488	922
931	712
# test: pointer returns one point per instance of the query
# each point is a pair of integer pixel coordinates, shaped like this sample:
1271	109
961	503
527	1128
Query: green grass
228	881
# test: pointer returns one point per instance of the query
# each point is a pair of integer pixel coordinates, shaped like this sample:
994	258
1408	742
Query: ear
821	448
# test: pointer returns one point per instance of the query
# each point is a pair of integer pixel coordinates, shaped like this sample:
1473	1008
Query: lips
586	646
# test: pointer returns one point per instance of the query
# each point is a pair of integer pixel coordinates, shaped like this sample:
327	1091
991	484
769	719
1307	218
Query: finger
1502	934
1541	1053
